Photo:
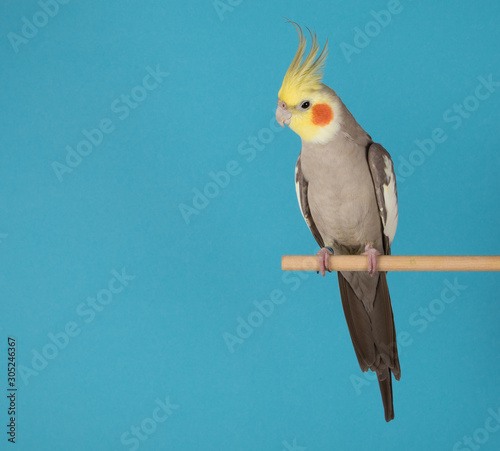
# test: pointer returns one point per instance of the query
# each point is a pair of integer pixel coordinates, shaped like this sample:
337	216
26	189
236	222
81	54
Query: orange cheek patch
322	114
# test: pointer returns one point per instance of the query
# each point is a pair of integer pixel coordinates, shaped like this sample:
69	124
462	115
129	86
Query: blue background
294	383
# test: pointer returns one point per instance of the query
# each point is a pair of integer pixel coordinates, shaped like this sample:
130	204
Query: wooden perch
395	263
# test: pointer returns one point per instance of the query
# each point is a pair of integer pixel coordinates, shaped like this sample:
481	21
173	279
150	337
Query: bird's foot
323	257
372	258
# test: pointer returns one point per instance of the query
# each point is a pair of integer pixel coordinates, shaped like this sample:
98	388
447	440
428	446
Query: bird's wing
301	186
384	182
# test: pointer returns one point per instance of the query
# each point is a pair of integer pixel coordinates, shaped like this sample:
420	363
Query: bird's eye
305	105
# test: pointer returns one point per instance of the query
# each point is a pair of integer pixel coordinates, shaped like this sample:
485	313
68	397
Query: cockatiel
346	189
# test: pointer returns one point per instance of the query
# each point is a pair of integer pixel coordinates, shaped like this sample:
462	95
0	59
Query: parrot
346	188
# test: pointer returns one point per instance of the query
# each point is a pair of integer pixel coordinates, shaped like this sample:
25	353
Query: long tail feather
373	336
386	392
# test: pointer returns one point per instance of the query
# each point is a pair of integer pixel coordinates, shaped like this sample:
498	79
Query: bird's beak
283	116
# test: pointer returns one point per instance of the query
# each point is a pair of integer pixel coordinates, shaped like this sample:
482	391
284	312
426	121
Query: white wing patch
297	190
390	201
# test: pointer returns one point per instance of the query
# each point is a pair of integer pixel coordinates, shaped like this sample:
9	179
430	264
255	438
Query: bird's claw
323	260
372	258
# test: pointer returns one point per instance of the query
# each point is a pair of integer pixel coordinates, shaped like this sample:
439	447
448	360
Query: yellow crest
303	74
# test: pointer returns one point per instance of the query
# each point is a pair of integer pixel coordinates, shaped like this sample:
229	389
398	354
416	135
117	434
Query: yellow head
303	102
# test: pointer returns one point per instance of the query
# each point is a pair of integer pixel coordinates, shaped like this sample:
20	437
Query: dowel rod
395	263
